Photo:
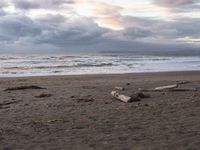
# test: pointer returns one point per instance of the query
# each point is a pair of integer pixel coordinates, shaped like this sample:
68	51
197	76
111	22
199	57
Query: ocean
78	64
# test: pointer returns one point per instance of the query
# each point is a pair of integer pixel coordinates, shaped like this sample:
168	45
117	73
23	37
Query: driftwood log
121	97
126	99
169	90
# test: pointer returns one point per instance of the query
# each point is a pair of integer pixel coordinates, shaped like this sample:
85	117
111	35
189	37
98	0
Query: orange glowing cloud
106	15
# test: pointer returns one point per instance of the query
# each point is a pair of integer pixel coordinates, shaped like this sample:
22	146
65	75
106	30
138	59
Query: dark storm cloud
50	29
134	33
26	4
82	31
140	33
181	28
2	13
145	27
51	19
187	27
37	4
57	30
12	28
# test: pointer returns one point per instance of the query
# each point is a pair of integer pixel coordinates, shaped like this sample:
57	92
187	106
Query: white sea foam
39	65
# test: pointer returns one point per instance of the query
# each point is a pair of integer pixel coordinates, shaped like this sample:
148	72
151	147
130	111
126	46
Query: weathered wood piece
119	88
125	98
121	97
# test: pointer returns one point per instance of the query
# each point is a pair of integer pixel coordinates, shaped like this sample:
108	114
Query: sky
99	25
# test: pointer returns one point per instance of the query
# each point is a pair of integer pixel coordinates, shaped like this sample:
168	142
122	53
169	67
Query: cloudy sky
102	25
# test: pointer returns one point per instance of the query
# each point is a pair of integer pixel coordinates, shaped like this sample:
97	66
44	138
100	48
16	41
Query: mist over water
76	64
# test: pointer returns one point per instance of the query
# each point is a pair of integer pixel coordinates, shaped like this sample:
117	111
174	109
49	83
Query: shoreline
109	74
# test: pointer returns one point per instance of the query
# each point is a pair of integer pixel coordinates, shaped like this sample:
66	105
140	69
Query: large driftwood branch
161	88
169	90
173	88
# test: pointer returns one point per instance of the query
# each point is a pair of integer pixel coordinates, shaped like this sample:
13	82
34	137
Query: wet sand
78	112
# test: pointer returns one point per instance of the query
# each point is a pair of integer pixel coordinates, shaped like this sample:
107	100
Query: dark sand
78	112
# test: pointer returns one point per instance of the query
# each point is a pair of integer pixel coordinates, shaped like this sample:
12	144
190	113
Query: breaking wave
35	65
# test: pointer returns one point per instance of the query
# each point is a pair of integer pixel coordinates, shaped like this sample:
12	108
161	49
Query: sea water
78	64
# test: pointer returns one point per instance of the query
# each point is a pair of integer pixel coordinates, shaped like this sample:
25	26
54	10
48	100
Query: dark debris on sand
23	88
43	95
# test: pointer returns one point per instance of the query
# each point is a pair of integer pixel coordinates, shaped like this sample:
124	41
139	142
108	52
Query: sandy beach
78	112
